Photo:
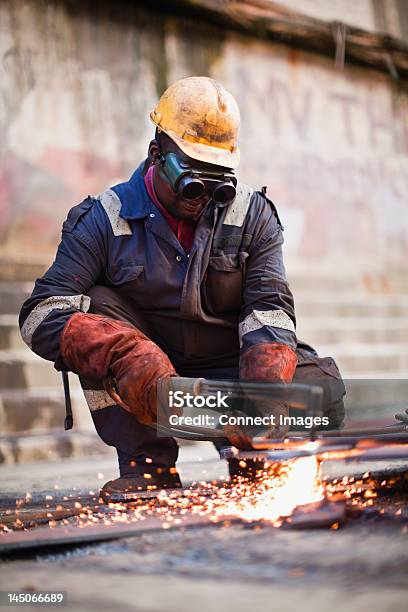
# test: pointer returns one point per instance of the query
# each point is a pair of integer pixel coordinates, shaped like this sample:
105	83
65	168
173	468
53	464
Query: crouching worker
177	272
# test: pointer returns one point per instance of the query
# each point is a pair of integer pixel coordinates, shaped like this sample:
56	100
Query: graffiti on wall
75	93
333	149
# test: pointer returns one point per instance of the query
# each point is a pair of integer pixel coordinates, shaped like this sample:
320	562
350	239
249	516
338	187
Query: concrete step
342	330
307	281
10	337
12	296
52	446
362	358
347	297
328	304
27	269
374	282
22	369
37	410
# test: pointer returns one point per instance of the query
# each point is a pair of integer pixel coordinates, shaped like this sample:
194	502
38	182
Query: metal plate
45	537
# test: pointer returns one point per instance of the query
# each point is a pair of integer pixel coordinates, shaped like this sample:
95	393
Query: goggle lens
191	189
224	193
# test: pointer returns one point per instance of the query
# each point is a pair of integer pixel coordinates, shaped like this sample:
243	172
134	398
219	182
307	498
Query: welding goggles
191	183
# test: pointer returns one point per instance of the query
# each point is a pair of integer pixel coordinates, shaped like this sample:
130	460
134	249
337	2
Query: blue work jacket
229	293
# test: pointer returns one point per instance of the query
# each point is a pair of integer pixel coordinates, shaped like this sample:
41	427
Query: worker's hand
99	347
241	436
280	410
270	363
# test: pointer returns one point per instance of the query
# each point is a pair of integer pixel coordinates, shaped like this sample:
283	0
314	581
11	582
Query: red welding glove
99	347
266	362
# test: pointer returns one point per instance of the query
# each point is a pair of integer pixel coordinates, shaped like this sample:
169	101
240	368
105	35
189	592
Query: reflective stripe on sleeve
56	302
97	399
261	318
112	205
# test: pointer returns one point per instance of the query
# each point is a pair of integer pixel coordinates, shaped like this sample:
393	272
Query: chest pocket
225	282
126	276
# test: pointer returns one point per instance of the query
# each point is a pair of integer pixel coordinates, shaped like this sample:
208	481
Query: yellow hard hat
202	118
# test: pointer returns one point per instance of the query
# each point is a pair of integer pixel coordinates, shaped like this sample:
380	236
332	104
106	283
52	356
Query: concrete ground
362	566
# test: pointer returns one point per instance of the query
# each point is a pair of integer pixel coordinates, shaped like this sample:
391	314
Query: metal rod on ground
45	537
395	434
395	451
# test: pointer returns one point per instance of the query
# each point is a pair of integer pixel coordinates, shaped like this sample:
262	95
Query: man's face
178	206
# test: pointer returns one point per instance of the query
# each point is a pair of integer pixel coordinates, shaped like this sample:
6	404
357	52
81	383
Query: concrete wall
390	16
359	14
76	85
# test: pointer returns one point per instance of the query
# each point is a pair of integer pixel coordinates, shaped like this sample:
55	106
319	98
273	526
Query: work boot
140	478
140	486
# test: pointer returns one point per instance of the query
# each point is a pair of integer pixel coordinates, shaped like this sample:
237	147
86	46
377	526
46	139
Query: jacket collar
136	203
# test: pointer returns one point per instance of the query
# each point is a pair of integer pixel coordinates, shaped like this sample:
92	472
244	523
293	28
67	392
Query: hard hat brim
204	153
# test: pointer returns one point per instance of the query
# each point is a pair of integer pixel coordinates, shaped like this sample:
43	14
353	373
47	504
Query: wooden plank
263	18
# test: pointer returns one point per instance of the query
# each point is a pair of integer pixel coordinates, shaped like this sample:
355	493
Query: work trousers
119	428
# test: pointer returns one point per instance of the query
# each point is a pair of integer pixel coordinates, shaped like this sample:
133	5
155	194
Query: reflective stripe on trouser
115	426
